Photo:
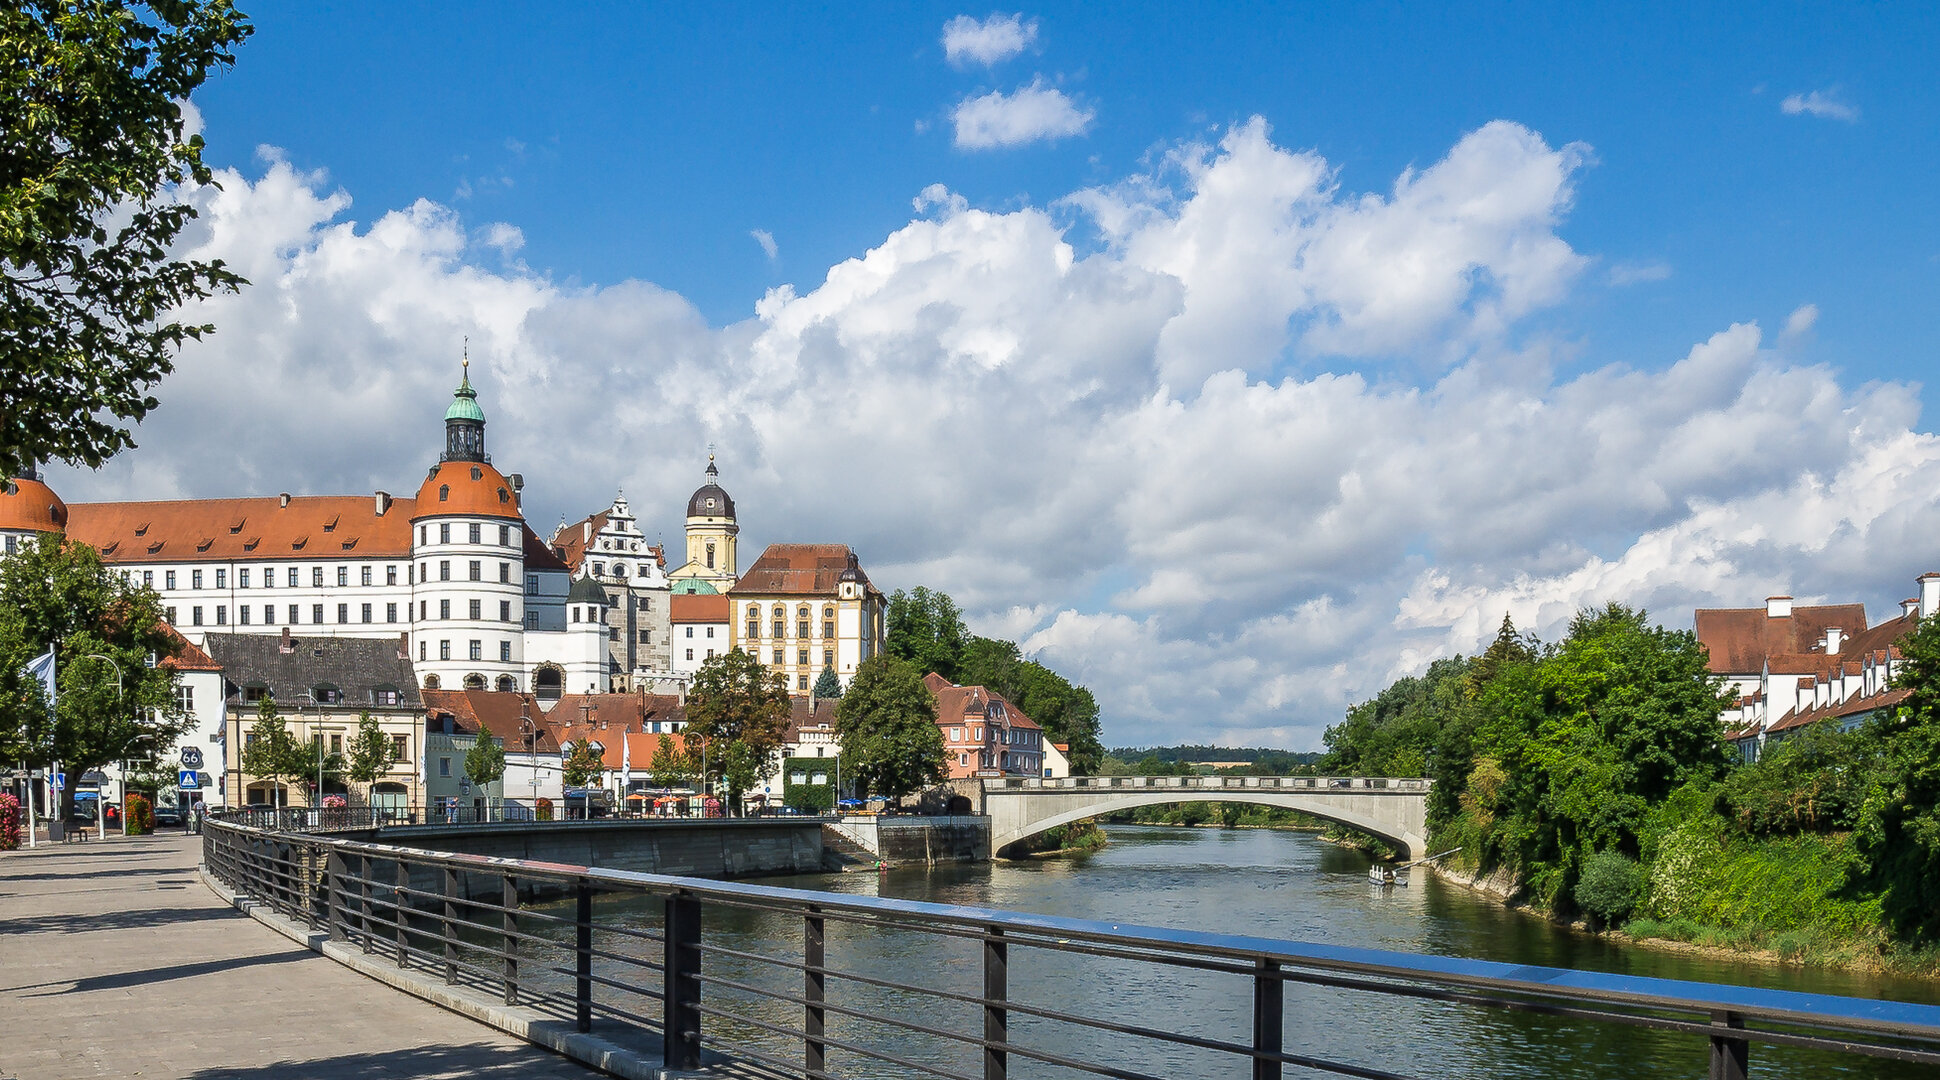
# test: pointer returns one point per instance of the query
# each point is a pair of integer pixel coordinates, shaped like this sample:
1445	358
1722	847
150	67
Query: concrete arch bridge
1393	809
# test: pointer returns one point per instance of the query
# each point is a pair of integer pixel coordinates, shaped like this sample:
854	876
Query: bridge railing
357	818
825	985
1415	785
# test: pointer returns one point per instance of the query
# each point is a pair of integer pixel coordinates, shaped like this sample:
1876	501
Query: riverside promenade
116	961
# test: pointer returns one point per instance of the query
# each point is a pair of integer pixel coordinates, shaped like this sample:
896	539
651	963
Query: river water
1276	884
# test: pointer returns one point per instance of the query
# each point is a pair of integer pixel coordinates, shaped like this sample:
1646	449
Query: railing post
399	901
447	930
681	969
815	991
333	869
1269	1017
509	943
996	1019
1730	1058
311	864
367	935
583	955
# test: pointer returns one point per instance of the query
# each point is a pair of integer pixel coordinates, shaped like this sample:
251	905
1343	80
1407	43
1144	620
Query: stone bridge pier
1394	809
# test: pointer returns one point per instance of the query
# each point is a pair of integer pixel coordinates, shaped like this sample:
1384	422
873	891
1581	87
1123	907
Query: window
444	609
242	614
13	544
222	614
364	575
366	612
185	698
777	628
505	652
147	576
293	578
532	584
343	613
336	743
801	657
293	619
390	612
599	569
195	579
956	734
421	615
444	766
710	654
532	620
575	612
828	658
400	748
754	625
801	622
316	613
444	569
710	556
168	579
169	614
424	534
690	654
646	602
222	579
390	575
477	649
475	568
326	696
195	615
710	631
421	652
474	612
316	577
801	683
343	577
444	650
505	536
505	611
474	532
505	572
386	697
690	631
777	656
444	531
828	621
242	578
646	637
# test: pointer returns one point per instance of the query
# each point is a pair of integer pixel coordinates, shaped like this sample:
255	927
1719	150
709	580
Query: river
1291	885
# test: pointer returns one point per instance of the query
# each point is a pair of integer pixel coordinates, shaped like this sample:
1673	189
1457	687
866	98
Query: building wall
857	625
470	597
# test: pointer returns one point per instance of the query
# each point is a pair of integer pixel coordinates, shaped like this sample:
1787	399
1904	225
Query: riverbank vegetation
1593	774
1078	838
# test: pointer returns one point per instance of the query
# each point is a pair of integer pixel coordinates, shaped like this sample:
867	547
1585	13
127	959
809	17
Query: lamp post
100	809
530	732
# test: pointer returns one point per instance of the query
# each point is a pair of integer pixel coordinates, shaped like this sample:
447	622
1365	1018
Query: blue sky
632	141
1235	361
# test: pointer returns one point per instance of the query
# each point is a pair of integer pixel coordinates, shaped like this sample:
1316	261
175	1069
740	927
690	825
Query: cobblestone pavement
115	960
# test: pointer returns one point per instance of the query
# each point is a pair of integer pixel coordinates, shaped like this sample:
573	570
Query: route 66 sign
191	757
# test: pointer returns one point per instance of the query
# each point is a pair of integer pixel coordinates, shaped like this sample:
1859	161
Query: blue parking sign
187	780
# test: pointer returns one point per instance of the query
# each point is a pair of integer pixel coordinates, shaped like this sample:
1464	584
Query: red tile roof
796	570
698	608
188	655
191	530
961	704
30	504
496	712
570	541
1852	706
466	487
1739	639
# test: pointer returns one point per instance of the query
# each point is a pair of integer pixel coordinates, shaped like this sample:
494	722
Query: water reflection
1257	882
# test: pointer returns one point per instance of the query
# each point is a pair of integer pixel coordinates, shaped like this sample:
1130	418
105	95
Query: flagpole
32	825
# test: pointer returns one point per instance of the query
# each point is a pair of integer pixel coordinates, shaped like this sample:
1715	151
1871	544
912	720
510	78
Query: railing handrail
1902	1019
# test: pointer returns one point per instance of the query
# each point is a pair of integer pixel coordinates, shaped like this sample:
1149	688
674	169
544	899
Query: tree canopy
91	141
926	629
582	763
371	753
739	710
891	744
828	685
1899	820
270	752
485	762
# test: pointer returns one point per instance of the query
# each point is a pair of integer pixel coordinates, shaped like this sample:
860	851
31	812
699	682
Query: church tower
712	566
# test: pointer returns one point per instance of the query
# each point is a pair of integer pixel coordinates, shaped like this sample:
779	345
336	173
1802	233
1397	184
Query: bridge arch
1398	817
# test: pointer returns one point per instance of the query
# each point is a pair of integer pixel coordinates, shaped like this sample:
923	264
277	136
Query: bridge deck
116	961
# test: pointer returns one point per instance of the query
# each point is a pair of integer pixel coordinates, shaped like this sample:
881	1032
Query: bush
810	798
9	823
1610	887
544	809
141	815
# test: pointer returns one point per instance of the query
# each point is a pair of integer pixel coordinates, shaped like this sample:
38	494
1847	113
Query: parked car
168	815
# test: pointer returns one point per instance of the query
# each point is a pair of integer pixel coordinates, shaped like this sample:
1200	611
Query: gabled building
805	607
609	548
983	733
518	722
700	629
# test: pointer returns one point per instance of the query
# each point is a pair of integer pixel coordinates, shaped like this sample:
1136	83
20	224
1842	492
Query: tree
485	762
828	685
372	753
1899	822
58	594
91	141
734	699
583	764
926	629
270	752
891	744
672	766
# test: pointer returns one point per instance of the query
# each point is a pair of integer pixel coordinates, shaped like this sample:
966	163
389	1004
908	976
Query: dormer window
444	492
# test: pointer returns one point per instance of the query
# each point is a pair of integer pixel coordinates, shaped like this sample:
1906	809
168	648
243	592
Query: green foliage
808	797
672	766
485	761
1899	819
1611	886
1813	780
926	629
1395	734
371	753
828	685
92	138
1706	873
582	764
1078	838
891	745
269	751
738	709
57	593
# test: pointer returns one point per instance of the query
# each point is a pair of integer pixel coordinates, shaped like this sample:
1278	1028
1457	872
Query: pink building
983	734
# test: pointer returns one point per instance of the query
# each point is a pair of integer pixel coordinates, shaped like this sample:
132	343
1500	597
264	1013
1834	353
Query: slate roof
355	666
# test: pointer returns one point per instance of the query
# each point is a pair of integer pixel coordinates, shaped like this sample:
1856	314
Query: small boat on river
1389	875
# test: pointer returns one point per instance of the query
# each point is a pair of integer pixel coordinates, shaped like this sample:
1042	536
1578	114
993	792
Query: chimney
404	645
1833	636
283	500
383	502
1909	607
287	645
1778	607
1929	595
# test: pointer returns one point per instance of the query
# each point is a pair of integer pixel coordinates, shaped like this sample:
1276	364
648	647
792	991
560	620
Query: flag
42	669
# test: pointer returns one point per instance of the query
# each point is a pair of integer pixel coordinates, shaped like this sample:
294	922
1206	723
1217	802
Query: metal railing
353	818
782	979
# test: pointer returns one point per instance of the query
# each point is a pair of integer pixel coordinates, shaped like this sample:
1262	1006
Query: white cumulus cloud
988	41
1034	113
1824	104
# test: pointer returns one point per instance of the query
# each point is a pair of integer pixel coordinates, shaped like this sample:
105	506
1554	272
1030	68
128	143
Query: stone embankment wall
918	840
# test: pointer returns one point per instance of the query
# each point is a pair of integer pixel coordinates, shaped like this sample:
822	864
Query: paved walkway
115	960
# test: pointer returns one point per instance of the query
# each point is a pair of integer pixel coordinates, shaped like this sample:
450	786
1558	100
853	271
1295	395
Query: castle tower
712	565
28	507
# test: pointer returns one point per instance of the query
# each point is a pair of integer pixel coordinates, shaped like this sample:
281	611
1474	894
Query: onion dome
28	505
465	422
710	500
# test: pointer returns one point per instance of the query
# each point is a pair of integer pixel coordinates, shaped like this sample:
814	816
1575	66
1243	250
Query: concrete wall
710	848
919	840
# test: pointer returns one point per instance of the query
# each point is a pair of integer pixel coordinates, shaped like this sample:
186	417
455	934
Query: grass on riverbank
1805	947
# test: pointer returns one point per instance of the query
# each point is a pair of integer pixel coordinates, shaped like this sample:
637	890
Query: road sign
187	780
60	781
464	785
191	757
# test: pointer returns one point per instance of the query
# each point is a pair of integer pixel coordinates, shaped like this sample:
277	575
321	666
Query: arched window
474	681
507	684
430	682
444	492
754	622
780	615
801	621
710	556
548	683
828	620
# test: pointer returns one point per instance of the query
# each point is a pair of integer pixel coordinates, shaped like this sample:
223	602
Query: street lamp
530	732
